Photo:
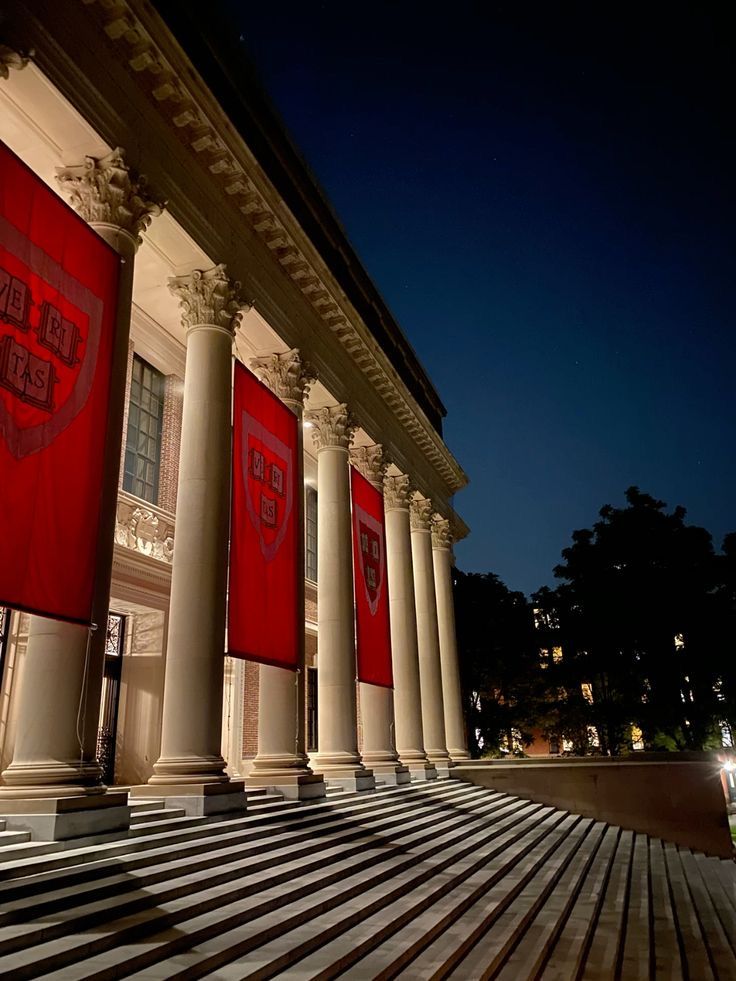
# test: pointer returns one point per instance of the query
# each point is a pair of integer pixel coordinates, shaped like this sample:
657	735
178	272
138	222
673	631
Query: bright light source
309	425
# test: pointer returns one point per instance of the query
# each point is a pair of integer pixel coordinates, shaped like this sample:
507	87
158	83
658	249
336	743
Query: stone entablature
165	74
144	528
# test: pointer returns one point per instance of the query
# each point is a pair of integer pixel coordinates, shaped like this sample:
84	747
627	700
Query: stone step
409	905
237	928
138	871
80	865
139	805
155	814
13	838
436	880
179	878
200	906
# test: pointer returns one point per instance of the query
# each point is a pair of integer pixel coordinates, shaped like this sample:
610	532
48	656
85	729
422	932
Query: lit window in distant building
593	739
143	440
637	738
310	532
726	735
568	746
587	689
556	655
679	642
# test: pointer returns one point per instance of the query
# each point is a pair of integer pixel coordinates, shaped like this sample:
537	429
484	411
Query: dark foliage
642	626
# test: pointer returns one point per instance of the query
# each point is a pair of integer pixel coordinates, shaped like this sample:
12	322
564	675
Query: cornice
140	39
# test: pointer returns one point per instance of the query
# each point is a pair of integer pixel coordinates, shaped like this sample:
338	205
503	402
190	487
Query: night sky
543	194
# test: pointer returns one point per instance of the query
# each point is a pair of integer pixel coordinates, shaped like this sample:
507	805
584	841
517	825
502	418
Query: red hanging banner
264	575
58	297
371	590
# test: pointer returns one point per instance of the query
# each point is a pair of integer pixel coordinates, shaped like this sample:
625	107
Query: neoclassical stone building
229	250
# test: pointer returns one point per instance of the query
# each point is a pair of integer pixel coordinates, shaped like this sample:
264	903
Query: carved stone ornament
285	374
103	191
421	512
209	297
441	534
11	59
371	461
397	492
331	426
143	530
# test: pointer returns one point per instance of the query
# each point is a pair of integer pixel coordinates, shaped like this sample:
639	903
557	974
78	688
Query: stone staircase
431	880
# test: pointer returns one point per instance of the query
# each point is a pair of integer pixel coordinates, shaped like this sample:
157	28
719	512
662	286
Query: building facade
228	250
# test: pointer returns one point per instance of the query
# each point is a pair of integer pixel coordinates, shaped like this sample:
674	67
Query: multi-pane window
310	528
143	442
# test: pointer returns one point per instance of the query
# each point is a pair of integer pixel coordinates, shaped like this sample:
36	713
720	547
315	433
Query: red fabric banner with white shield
58	298
264	575
373	634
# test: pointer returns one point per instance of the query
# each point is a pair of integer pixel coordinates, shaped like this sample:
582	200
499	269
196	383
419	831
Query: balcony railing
144	528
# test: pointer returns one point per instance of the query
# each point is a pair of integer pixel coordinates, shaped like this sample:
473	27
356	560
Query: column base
293	786
197	800
458	755
422	771
391	774
68	817
353	779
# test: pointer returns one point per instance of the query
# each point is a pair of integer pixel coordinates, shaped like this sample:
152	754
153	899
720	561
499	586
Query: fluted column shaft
430	675
377	702
55	752
281	760
404	646
337	715
193	681
450	667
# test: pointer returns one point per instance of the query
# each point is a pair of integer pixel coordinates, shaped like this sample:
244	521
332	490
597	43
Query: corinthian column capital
421	511
208	297
104	191
397	492
285	374
11	59
332	425
371	461
441	533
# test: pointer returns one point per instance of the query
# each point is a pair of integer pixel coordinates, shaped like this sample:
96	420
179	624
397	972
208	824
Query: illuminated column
451	693
430	675
376	702
61	680
191	770
282	761
404	649
337	756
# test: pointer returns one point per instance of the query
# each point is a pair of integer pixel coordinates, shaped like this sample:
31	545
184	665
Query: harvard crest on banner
58	297
371	594
262	610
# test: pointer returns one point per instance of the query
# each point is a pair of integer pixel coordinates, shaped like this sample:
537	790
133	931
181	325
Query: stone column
451	692
337	755
430	674
281	761
404	648
54	759
191	770
376	702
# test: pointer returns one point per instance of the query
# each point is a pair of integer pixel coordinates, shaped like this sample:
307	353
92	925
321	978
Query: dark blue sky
543	194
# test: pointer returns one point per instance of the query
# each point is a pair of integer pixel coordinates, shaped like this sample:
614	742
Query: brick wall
170	443
250	710
128	380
